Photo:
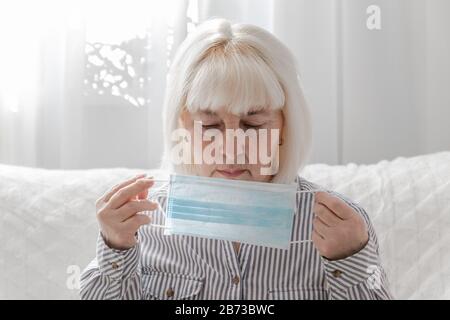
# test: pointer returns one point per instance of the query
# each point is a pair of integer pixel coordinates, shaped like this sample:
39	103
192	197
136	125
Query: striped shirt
185	267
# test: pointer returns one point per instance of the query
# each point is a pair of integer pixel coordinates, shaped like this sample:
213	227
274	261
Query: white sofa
48	227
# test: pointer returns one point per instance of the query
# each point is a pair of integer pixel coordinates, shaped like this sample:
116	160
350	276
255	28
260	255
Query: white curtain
82	83
374	94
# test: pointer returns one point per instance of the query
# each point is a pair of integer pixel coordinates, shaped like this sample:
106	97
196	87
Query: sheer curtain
374	94
82	82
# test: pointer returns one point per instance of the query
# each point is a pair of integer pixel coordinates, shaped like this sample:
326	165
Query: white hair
242	67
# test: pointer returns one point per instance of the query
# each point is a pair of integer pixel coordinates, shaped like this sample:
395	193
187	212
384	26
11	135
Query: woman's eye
253	125
211	126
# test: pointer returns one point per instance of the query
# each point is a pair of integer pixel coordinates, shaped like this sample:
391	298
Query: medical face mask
244	211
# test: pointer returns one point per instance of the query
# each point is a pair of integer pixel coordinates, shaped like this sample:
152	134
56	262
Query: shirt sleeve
113	274
361	275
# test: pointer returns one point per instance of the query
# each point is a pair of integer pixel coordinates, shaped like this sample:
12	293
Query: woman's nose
233	148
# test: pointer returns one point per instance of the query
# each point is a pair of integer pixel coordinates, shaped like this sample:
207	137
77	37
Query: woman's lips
231	173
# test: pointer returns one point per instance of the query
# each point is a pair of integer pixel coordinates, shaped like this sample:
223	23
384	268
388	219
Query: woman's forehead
262	111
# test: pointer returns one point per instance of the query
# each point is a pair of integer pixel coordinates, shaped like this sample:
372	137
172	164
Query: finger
318	218
325	215
316	234
132	207
320	243
321	228
142	195
133	223
130	191
119	186
336	205
317	239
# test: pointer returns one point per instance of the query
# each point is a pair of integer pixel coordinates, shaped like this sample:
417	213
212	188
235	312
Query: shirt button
235	280
337	273
170	293
114	265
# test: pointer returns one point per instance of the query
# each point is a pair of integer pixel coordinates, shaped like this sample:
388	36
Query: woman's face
233	149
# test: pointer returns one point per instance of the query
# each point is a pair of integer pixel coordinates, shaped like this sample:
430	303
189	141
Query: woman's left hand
338	230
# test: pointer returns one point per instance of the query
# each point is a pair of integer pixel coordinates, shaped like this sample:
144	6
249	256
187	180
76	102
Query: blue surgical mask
244	211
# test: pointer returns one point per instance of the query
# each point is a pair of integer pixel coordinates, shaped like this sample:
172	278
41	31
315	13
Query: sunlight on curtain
82	82
119	59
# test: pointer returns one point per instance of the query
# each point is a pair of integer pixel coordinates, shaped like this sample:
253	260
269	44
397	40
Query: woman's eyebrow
257	112
206	113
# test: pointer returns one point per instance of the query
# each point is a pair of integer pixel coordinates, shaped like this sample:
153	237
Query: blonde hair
241	67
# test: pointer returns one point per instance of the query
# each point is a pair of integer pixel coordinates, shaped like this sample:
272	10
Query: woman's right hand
118	212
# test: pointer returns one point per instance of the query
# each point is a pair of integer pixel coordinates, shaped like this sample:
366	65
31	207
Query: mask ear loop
160	208
164	213
296	212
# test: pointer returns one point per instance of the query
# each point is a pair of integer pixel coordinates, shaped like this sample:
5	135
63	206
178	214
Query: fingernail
143	180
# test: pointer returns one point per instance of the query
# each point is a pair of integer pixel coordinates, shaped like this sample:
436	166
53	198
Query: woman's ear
183	118
280	143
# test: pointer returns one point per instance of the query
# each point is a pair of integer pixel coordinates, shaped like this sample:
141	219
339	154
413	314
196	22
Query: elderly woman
234	77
